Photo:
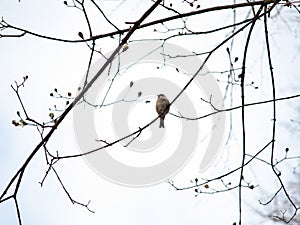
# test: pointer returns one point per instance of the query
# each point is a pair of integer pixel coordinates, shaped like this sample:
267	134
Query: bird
162	108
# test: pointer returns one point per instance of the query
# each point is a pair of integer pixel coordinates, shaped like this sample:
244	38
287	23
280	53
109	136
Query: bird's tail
161	123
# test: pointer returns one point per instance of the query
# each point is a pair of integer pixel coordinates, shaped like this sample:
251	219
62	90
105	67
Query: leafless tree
255	14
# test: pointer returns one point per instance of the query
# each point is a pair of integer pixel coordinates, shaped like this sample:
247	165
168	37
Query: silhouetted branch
213	185
18	176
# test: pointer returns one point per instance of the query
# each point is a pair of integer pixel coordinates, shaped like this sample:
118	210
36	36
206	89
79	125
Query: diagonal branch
20	172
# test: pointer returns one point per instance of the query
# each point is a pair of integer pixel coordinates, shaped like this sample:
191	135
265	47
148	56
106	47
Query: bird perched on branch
162	108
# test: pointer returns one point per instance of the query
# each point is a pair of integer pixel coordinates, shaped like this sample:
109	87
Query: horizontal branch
225	174
236	107
122	31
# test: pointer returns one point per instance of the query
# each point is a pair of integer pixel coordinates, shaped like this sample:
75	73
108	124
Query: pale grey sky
52	65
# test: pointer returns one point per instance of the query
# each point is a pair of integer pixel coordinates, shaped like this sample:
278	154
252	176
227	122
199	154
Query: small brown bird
162	108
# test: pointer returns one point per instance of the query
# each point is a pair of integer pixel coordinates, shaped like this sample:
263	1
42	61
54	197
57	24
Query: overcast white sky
52	65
